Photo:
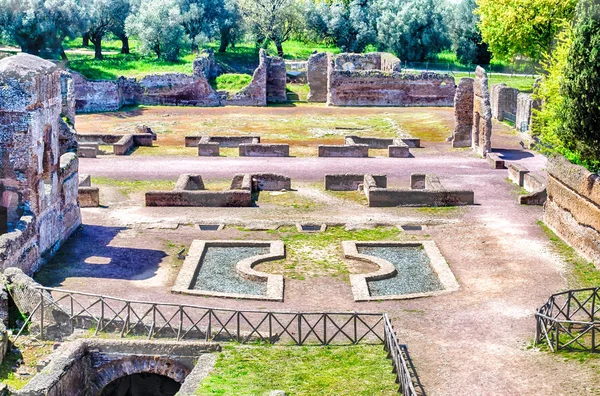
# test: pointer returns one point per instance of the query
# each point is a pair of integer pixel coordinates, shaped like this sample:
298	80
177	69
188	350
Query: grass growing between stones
257	370
231	82
23	360
581	273
127	187
320	253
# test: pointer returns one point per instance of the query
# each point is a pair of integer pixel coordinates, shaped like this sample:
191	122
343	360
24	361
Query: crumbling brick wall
38	185
503	99
463	113
316	74
276	80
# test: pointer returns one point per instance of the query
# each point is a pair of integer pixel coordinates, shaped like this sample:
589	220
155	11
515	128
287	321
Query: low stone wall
373	143
351	181
189	182
214	199
89	197
264	150
534	184
503	99
223	141
525	106
357	150
572	210
268	181
123	146
378	88
426	190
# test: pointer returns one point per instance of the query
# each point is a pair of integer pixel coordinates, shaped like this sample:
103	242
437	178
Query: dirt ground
476	341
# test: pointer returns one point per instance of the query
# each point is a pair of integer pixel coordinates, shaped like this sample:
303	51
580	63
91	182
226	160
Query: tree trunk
97	41
125	44
224	40
279	49
86	39
63	54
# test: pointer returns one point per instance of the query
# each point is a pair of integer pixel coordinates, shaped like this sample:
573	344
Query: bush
581	84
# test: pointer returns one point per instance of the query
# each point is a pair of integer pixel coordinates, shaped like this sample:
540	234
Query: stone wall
264	150
482	114
525	106
316	74
503	99
178	89
276	80
351	181
356	150
572	208
463	113
378	88
85	367
38	185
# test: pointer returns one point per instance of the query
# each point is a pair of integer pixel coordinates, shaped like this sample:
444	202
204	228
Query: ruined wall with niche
38	178
376	79
179	89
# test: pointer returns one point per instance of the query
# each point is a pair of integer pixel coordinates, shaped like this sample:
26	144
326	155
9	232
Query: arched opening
142	384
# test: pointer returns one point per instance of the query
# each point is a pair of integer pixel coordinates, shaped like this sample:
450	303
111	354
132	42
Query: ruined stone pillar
482	114
316	75
463	113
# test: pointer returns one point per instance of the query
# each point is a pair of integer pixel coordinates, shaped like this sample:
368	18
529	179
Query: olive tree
158	25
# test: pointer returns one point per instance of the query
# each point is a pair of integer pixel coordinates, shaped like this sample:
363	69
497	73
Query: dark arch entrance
142	384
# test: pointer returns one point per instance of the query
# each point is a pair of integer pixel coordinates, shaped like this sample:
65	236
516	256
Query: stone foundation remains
122	144
534	184
376	79
482	114
463	113
89	366
189	191
245	268
264	150
316	75
38	181
358	147
503	99
177	89
89	197
426	190
572	210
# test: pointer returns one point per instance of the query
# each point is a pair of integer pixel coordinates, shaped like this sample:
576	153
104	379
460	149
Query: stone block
89	197
516	173
84	180
264	150
399	151
87	151
316	75
208	149
463	113
417	181
124	145
357	150
494	161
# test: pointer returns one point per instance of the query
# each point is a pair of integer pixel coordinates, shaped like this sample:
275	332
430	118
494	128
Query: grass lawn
258	370
522	83
231	82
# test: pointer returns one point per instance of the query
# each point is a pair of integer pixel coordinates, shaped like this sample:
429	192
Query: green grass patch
258	370
581	273
231	82
29	354
522	83
320	253
134	186
301	90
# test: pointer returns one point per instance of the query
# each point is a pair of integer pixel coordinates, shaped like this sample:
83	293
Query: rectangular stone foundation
264	150
356	151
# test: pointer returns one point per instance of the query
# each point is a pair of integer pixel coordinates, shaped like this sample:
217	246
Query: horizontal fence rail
570	320
62	311
59	311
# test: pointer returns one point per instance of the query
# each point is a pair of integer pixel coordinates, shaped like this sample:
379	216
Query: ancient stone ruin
39	206
503	100
463	113
425	190
482	114
190	191
178	89
374	79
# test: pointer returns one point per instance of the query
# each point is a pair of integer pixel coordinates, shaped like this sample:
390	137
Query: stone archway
116	369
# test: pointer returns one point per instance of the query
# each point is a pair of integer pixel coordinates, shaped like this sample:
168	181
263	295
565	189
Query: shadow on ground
88	253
